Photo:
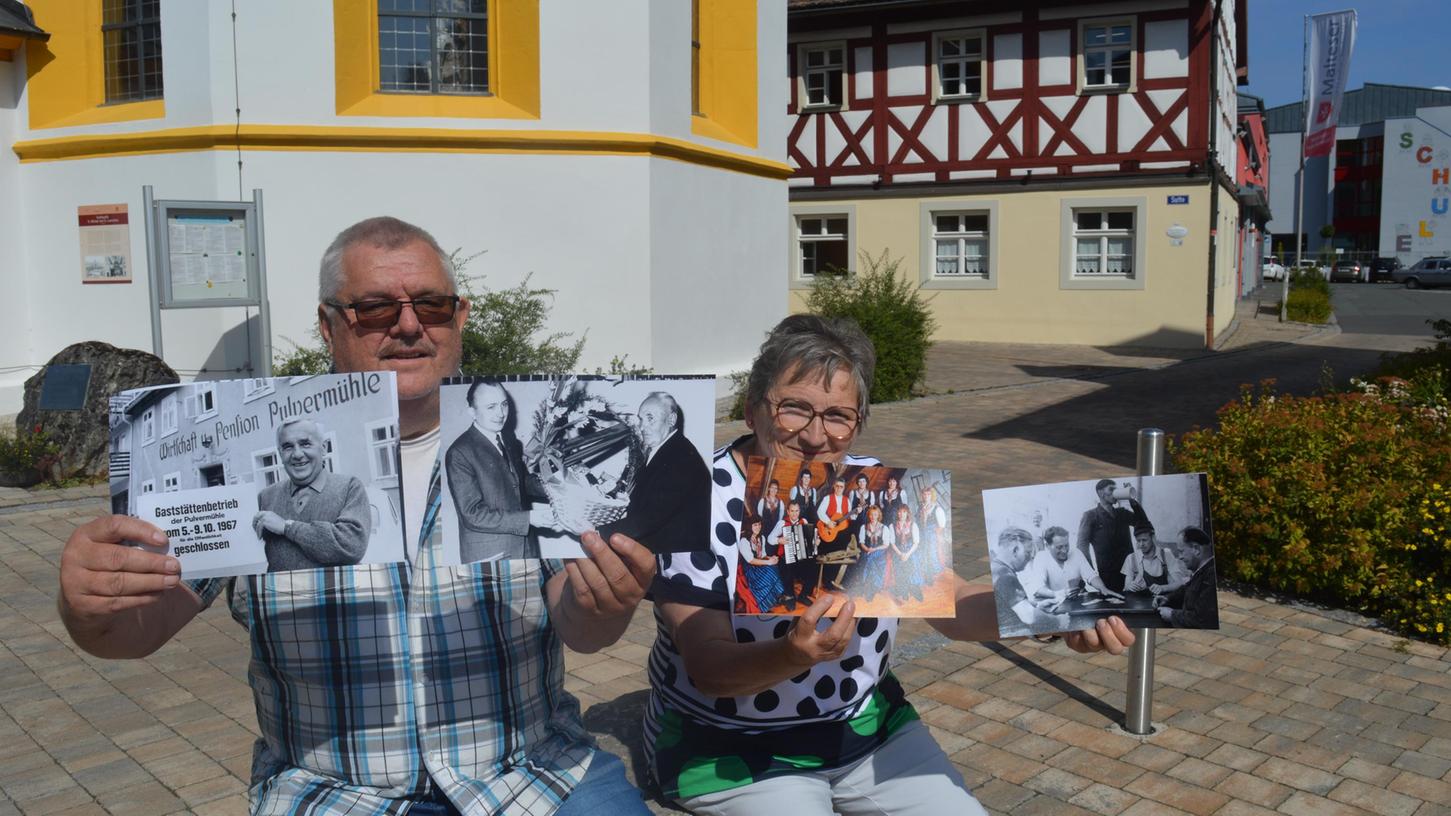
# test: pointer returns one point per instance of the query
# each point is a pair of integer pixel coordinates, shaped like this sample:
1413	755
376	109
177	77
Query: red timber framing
1037	129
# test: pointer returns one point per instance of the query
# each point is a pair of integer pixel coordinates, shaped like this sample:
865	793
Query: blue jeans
604	791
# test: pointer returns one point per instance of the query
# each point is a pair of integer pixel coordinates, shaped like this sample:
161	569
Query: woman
762	582
769	508
905	537
891	498
932	521
875	544
771	714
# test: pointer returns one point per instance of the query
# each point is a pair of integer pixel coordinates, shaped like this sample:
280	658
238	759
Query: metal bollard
1138	709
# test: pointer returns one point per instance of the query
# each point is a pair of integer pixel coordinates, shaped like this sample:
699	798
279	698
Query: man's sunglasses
382	313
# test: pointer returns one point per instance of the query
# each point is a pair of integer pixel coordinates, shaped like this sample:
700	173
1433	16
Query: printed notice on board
105	238
209	530
207	250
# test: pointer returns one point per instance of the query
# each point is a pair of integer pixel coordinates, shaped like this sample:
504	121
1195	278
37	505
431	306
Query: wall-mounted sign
1179	199
207	254
1177	233
105	238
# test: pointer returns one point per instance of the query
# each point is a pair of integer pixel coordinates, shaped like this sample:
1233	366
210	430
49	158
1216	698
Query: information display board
209	253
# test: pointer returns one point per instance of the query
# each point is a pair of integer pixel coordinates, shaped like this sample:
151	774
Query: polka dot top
830	691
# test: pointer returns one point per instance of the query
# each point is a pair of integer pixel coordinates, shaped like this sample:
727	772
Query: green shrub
1318	496
1307	306
498	338
301	360
27	458
891	311
1426	369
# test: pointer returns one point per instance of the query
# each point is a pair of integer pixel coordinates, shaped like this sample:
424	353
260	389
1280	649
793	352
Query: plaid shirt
385	683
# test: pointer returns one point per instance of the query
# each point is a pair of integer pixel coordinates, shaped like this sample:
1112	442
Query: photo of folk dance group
1066	555
881	536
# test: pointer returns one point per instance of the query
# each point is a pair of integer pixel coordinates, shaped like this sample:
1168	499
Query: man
797	540
1194	605
431	688
487	480
1017	616
807	494
1104	530
1058	570
313	518
669	509
1151	567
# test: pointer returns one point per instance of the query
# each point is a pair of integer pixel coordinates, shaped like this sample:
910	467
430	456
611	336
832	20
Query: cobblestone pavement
1286	709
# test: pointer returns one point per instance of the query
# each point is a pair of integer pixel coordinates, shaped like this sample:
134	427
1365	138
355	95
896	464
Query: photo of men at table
878	535
1140	549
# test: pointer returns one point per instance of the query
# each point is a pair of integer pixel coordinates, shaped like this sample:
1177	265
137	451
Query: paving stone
1374	799
1236	758
1243	786
1103	799
1153	757
1303	777
1369	772
1423	764
1420	787
1304	804
1057	783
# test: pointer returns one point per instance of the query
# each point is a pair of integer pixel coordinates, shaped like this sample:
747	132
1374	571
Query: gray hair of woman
804	346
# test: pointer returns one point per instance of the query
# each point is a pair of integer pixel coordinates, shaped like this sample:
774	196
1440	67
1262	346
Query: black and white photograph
1068	554
263	475
531	462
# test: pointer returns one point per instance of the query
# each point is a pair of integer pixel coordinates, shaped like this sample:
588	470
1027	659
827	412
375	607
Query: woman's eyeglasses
793	416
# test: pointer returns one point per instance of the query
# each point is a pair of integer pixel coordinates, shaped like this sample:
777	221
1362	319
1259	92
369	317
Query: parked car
1381	269
1271	270
1349	272
1309	265
1425	273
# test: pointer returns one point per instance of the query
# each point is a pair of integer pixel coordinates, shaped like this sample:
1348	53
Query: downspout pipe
1213	168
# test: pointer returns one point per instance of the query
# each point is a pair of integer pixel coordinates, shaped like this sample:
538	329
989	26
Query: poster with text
879	536
263	475
530	462
1065	555
105	239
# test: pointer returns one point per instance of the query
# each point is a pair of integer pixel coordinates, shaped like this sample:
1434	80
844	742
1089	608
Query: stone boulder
84	436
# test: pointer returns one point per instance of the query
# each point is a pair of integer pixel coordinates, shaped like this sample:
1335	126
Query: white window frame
148	486
329	448
1084	48
255	388
982	63
261	470
148	425
171	482
195	399
1069	276
798	280
388	443
803	101
168	414
928	213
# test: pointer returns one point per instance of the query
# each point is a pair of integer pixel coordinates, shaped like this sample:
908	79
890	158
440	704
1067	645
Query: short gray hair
808	345
380	231
316	428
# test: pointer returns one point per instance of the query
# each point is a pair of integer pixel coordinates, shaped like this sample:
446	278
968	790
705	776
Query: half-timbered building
1052	171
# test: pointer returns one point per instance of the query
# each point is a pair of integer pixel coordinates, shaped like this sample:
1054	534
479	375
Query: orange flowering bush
1324	497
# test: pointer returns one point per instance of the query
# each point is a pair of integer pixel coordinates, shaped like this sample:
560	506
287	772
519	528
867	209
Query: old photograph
263	475
532	462
880	536
1065	555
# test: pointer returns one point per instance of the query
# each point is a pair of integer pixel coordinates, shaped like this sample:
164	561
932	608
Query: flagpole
1300	197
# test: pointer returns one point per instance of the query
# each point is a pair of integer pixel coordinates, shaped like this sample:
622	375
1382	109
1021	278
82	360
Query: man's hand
270	522
100	576
1167	614
542	516
612	580
1110	635
806	646
1136	585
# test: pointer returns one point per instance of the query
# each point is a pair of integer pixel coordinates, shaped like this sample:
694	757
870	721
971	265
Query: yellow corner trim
728	72
413	140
